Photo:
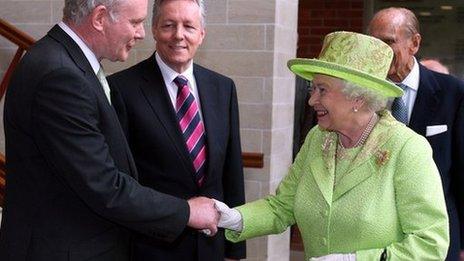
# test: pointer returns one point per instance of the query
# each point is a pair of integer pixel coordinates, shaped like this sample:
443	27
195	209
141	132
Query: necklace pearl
365	134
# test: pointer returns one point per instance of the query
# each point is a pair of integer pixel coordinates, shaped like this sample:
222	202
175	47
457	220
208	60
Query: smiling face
122	33
334	110
178	33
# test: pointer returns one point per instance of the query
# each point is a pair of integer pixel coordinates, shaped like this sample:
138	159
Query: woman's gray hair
373	100
76	10
157	7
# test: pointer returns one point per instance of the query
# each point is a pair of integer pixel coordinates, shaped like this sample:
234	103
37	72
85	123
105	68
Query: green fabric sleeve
420	205
273	214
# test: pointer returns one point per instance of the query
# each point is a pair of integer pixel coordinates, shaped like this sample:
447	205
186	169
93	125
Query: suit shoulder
450	83
47	54
130	73
407	140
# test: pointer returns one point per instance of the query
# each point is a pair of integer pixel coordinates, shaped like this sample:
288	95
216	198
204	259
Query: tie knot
100	73
180	81
402	86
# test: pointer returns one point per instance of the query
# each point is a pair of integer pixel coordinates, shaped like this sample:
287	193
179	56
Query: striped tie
399	109
192	127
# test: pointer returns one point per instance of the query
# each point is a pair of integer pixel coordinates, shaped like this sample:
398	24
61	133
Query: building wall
248	40
316	18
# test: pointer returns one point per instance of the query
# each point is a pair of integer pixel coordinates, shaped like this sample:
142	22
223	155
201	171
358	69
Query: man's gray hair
373	100
157	6
76	10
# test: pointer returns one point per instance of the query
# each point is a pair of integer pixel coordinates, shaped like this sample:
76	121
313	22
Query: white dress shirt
410	93
169	75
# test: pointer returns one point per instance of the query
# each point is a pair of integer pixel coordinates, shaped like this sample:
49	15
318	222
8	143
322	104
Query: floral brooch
382	157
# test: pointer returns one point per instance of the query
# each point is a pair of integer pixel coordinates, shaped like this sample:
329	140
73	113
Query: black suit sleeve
458	162
234	194
66	122
119	106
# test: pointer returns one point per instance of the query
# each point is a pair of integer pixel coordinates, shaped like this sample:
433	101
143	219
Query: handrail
22	40
16	36
252	160
2	179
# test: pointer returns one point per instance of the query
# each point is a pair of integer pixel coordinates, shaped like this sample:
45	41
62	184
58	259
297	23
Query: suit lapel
323	167
78	57
208	94
80	60
363	166
83	64
154	90
426	103
73	49
353	177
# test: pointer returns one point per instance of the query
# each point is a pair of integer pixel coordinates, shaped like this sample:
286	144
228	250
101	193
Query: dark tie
399	108
192	127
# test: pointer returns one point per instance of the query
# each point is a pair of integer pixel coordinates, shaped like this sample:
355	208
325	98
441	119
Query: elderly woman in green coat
363	186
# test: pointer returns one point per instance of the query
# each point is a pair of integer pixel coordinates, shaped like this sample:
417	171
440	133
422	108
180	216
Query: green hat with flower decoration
354	57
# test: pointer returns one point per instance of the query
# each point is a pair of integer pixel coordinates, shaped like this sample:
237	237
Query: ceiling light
425	13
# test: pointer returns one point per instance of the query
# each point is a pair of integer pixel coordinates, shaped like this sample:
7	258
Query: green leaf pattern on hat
358	51
354	57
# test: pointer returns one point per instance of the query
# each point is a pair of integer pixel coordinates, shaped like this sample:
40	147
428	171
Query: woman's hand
230	218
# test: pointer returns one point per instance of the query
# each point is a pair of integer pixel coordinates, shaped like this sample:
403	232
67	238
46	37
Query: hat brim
306	68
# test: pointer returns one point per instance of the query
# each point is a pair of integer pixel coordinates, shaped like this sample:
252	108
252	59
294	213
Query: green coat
391	198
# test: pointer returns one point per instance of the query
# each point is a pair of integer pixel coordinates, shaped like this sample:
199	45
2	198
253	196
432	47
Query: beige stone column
251	41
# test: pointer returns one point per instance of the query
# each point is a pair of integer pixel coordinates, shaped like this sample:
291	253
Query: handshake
208	214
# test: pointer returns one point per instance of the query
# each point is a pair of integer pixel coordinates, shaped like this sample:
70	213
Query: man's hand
203	214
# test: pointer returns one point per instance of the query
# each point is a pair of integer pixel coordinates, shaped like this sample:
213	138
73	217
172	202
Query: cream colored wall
247	40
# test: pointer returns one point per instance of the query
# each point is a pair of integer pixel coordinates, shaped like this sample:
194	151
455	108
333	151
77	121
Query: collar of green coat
369	159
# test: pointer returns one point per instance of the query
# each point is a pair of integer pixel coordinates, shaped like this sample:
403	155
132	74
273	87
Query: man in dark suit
182	125
433	106
72	191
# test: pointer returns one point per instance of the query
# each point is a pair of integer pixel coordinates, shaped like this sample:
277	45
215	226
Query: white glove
230	218
335	257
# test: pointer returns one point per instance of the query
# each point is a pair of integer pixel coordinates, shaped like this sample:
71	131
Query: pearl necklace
365	134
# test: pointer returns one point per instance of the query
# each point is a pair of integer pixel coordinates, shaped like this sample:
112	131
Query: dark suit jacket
440	101
149	120
71	188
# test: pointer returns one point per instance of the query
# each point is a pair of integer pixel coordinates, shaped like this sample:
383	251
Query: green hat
354	57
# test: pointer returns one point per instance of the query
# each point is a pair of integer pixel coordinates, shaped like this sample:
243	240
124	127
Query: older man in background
433	106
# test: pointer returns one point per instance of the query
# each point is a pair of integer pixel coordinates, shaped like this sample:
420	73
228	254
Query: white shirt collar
412	80
169	74
85	49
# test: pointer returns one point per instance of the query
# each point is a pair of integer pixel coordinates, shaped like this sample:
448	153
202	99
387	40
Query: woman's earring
355	109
